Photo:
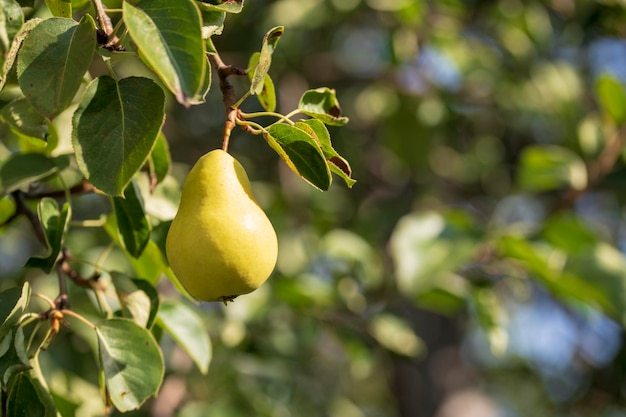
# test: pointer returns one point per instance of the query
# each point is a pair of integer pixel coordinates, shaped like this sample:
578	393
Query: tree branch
228	93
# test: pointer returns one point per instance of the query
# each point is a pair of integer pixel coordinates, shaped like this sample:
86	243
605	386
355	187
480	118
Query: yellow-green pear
220	244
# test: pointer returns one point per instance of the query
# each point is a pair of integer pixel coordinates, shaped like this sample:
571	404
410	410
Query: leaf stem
78	317
252	127
281	118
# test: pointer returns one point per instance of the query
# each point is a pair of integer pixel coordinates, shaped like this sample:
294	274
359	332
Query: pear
220	244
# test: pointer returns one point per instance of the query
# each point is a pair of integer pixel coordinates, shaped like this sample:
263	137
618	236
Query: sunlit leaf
60	8
16	44
138	299
396	335
187	328
52	61
426	246
176	55
264	60
228	6
267	95
24	120
337	163
55	223
549	167
301	153
132	362
12	20
212	23
322	104
115	128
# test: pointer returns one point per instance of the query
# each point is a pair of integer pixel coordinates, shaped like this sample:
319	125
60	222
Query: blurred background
475	269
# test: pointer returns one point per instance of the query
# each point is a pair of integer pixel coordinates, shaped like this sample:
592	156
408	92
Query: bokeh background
475	269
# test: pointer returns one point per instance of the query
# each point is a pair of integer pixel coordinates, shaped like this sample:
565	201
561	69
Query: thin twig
83	187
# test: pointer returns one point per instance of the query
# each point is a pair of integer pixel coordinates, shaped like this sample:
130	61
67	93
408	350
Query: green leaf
612	97
316	129
228	6
603	268
151	265
13	358
396	335
160	158
27	397
301	153
569	233
115	128
132	224
267	95
427	247
24	120
550	167
187	328
176	55
11	55
212	23
55	224
11	20
60	8
264	60
53	60
139	299
322	104
13	303
21	169
132	362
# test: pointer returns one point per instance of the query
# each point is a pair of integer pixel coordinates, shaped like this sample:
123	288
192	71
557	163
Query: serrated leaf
264	60
138	298
160	158
228	6
132	224
301	153
612	97
60	8
11	20
337	163
55	223
13	303
115	128
550	167
21	169
267	96
13	357
322	104
53	60
16	44
187	328
176	56
132	362
24	120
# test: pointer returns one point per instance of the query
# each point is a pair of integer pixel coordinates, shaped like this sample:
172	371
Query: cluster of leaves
70	129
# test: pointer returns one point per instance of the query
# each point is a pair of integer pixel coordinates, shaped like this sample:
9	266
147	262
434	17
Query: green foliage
488	219
76	122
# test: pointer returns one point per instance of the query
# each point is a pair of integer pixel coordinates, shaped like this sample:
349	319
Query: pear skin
220	244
